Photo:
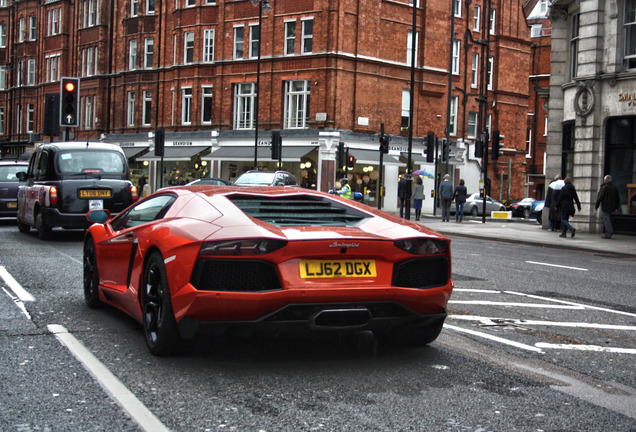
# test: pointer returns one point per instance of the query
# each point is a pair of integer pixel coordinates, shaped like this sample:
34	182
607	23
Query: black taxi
65	180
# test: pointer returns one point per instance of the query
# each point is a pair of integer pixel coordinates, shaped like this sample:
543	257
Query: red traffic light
69	86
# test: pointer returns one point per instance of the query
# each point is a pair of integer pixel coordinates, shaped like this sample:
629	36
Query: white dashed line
14	286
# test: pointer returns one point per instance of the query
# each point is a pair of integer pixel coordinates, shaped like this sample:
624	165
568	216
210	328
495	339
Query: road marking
17	289
595	348
477	290
571	303
521	322
18	303
527	305
109	382
494	338
556	265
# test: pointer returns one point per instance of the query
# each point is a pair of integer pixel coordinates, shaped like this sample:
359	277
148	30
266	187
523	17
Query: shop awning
132	152
372	157
246	153
177	153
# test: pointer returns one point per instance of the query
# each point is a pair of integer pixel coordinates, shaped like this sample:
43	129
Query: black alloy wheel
160	327
91	275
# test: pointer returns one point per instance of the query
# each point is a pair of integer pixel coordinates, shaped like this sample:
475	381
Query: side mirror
98	216
22	176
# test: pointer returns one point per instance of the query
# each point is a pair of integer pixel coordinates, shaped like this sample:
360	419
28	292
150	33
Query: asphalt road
537	340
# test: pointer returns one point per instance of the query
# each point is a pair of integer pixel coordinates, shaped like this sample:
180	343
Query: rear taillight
133	193
423	246
53	195
246	247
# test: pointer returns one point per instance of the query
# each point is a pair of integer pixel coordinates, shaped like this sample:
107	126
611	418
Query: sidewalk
519	230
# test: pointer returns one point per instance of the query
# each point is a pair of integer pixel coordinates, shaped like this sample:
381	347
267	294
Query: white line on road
17	289
494	338
575	347
509	321
18	303
571	303
556	265
109	382
527	305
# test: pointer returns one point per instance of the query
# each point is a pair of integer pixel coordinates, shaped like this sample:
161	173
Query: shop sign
181	143
630	98
126	144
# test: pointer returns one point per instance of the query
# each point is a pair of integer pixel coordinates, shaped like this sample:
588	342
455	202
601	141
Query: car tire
539	217
410	335
160	327
526	213
474	211
22	227
44	231
91	275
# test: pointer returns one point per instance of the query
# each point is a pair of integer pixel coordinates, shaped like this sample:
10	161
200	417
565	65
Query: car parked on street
266	178
537	210
65	180
9	183
225	259
474	205
209	181
522	208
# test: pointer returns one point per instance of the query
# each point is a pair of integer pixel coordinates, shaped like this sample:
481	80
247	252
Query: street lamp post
262	4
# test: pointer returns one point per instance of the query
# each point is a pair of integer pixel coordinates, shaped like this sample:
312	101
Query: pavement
528	231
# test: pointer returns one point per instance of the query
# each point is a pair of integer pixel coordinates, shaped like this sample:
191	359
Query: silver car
475	204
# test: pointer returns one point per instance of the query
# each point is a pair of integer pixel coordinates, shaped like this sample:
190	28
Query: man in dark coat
565	205
609	200
403	194
551	198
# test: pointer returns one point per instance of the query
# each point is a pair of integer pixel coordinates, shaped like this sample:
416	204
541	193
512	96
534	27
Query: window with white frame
472	124
206	104
30	120
32	28
493	15
409	46
149	52
3	35
186	105
53	67
297	94
574	46
132	54
629	22
411	3
456	51
453	115
474	76
528	141
150	7
189	3
1	120
255	40
406	109
477	18
91	11
88	62
3	79
18	118
239	42
147	108
134	8
88	112
491	64
535	30
307	35
54	21
543	7
21	29
458	8
188	47
244	94
31	72
210	2
208	45
290	37
19	73
130	117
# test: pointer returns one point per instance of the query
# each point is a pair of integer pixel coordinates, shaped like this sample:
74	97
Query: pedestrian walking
609	200
403	194
551	197
565	206
418	197
460	199
446	197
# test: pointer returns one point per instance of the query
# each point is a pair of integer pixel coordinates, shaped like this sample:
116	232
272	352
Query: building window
290	37
308	36
528	141
255	40
409	46
31	72
131	109
3	35
147	108
458	8
53	67
206	104
132	54
574	46
406	109
189	3
188	47
30	121
453	115
3	79
1	120
472	125
543	7
477	18
54	21
491	64
474	77
149	52
89	61
91	9
297	104
186	106
150	7
134	8
21	29
88	112
535	30
244	94
630	34
456	51
208	45
19	73
239	42
18	118
493	14
32	28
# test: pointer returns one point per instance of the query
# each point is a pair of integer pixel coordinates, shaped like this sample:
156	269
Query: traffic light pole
381	173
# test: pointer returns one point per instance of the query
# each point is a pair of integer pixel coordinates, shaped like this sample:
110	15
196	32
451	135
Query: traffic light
351	161
497	144
277	145
479	149
384	143
340	155
430	147
160	138
445	149
69	98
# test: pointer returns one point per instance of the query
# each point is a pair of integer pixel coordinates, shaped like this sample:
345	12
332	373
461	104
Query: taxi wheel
44	231
91	276
22	227
160	327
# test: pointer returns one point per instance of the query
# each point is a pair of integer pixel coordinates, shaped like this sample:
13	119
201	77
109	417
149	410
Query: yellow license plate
337	269
94	193
12	205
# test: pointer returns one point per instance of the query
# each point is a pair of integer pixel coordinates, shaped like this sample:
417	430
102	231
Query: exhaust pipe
341	319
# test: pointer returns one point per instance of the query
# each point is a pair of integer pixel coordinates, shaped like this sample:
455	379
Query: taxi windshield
90	162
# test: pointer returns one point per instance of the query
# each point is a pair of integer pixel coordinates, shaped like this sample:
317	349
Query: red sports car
217	259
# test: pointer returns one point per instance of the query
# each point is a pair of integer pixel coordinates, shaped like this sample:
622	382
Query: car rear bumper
54	218
8	207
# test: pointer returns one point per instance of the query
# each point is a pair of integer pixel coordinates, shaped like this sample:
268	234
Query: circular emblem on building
584	100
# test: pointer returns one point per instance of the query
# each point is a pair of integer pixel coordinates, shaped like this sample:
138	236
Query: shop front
182	162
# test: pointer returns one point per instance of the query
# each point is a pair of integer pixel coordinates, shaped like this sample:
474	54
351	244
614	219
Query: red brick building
330	72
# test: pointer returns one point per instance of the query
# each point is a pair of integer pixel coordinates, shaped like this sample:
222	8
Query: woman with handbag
565	204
